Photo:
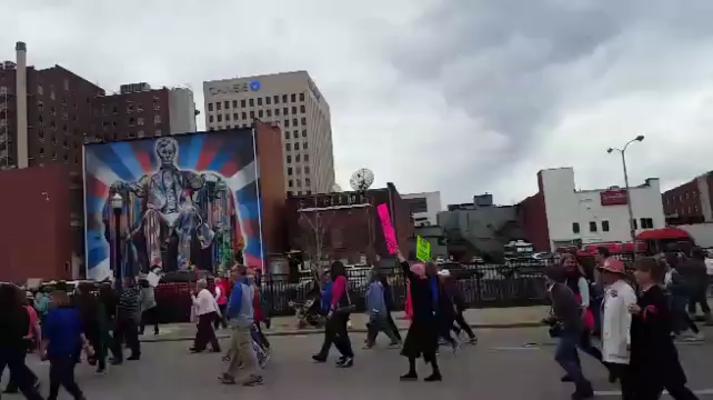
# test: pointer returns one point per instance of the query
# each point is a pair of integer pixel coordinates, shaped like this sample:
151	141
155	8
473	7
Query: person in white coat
616	323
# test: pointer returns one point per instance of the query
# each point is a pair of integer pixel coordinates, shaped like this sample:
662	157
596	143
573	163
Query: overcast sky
461	96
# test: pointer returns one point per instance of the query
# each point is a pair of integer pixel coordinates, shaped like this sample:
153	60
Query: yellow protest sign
423	249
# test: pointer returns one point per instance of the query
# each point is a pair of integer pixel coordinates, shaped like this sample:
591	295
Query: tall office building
291	101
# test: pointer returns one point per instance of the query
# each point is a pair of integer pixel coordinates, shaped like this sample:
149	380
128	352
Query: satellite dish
361	179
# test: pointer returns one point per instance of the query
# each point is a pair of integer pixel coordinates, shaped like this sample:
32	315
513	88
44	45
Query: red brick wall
532	216
272	186
35	234
684	201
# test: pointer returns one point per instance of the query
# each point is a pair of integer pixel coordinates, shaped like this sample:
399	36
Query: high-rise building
291	101
138	111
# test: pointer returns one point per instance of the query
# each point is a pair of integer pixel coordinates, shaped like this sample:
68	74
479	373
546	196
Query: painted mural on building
186	200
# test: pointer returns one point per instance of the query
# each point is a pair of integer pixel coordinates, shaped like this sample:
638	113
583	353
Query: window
259	113
306	157
298	182
294	109
304	121
302	108
647	223
210	106
289	183
252	114
227	117
226	103
304	132
259	101
284	98
235	116
235	104
297	146
289	170
140	121
308	182
251	102
140	134
40	90
287	135
297	158
605	226
220	117
269	112
268	100
157	133
592	226
304	145
307	169
287	123
277	112
302	97
299	170
289	159
285	110
295	134
132	121
633	221
218	106
293	97
575	227
288	146
244	115
294	121
242	103
276	99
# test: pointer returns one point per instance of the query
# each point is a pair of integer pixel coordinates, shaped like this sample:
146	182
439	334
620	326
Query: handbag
347	309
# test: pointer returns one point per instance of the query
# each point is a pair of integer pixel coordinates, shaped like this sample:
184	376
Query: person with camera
567	326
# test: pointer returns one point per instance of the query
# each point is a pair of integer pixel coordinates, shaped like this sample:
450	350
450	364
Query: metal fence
482	286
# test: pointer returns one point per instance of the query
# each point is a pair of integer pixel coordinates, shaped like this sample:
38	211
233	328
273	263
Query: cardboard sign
392	244
423	249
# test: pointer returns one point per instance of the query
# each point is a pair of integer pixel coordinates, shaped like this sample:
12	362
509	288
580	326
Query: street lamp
117	204
632	229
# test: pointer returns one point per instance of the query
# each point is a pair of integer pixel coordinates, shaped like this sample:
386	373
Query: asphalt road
506	364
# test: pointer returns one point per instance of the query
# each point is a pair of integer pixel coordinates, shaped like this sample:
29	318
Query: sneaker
411	376
226	379
435	377
319	358
347	363
583	394
254	380
473	340
689	336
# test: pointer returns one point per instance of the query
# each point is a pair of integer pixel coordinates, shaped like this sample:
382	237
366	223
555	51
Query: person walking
240	320
696	265
108	303
89	312
446	310
149	307
326	304
616	323
14	325
680	282
127	322
452	290
567	311
339	311
207	312
389	300
376	308
63	341
655	365
222	293
422	336
33	339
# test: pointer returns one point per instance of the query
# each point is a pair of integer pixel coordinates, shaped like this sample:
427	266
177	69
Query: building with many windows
691	202
424	207
291	101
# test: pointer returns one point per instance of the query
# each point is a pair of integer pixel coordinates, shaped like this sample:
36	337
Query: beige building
290	100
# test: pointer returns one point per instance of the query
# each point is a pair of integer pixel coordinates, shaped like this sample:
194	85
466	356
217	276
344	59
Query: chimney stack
21	95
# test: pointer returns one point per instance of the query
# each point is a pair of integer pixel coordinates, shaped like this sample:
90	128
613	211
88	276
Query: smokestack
21	95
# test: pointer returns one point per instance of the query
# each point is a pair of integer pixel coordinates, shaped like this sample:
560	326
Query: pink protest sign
388	227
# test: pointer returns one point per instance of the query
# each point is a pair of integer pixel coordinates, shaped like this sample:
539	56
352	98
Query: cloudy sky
461	96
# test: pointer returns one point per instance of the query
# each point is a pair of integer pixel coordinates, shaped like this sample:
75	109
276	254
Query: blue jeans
566	356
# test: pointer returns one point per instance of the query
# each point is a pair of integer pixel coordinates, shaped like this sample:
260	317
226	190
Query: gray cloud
461	96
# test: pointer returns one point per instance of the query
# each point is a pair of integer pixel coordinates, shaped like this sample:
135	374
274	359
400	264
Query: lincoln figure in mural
178	209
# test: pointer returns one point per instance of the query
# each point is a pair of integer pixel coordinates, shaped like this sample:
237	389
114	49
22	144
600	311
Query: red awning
664	234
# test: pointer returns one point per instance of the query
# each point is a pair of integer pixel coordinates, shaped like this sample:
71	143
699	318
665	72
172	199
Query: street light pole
117	204
622	151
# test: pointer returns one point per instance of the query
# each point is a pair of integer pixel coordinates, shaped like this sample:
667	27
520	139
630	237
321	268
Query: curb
311	331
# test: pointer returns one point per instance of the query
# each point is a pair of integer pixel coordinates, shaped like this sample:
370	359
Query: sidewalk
514	317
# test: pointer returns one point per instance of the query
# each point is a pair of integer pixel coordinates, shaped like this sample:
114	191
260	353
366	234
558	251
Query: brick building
691	202
345	225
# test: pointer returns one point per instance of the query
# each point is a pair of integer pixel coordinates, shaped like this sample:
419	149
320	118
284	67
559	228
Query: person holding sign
422	336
